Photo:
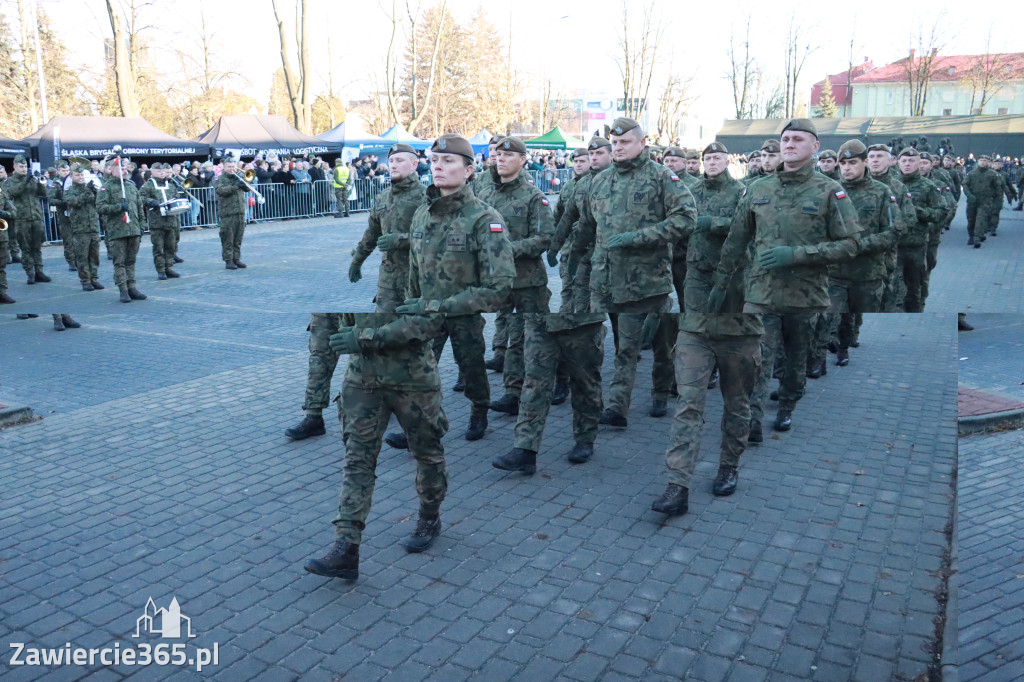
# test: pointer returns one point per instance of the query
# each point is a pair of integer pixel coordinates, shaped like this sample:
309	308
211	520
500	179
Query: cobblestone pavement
160	470
991	599
303	265
992	356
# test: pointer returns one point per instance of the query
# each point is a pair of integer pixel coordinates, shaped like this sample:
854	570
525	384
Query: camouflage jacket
81	201
832	175
560	322
721	325
392	213
230	196
152	191
26	191
905	201
1004	174
881	222
565	226
460	259
929	206
108	205
55	197
566	198
395	351
942	181
802	209
716	199
983	184
641	197
956	179
7	212
752	178
679	248
527	215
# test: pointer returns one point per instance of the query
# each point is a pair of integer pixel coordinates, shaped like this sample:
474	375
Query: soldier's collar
714	181
406	183
799	175
859	182
632	164
440	205
912	175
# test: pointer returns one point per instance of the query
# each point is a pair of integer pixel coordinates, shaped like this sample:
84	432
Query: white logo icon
169	620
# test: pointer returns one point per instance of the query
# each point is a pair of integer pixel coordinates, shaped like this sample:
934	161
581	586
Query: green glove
716	299
413	306
355	272
552	258
621	241
778	257
704	222
573	264
345	341
388	242
650	329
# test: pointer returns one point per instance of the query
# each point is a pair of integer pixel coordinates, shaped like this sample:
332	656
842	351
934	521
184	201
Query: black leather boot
725	482
581	452
309	426
342	561
477	426
517	459
423	536
674	501
561	393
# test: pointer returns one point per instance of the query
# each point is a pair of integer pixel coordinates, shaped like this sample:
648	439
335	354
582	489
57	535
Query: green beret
20	158
450	143
692	154
827	154
802	124
926	156
756	154
675	151
878	147
62	164
983	156
511	144
623	125
715	148
77	168
400	148
909	151
597	142
581	151
771	146
495	139
853	149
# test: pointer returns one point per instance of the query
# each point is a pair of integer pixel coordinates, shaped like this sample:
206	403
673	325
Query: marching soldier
341	181
156	191
675	160
499	342
770	157
120	206
85	230
984	191
895	292
55	197
323	360
26	191
930	209
231	210
7	213
388	229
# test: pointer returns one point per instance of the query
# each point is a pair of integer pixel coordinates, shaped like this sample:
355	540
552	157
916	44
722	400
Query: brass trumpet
189	182
246	179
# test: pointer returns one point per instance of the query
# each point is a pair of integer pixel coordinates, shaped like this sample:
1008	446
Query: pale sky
571	42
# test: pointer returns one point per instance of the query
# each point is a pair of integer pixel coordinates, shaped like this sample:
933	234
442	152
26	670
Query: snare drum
175	207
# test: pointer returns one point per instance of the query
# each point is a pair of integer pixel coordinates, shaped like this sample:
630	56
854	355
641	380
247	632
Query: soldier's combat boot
460	384
816	370
240	264
508	403
341	562
581	452
977	244
496	363
855	343
230	265
171	274
72	268
42	277
725	482
309	426
517	459
96	285
713	381
30	278
477	426
398	440
756	434
561	393
659	408
843	357
87	286
178	260
423	537
4	298
674	501
783	420
613	418
135	294
961	324
125	298
58	323
161	276
69	323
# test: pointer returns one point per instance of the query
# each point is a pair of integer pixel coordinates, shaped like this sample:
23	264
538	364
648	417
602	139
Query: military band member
59	209
231	191
120	207
26	191
7	213
157	191
12	240
85	230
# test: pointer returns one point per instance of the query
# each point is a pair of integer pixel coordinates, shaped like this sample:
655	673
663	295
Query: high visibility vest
341	174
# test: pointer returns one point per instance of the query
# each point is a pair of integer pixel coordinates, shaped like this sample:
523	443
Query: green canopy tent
556	138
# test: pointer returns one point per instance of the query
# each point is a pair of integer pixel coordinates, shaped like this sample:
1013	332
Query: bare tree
919	70
743	73
988	75
675	100
419	109
797	52
123	72
298	86
639	41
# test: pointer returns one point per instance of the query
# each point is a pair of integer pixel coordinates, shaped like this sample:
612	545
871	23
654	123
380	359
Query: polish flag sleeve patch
840	194
496	227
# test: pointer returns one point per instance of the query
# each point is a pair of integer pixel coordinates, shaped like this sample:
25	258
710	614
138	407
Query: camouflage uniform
983	188
930	209
85	230
527	215
7	212
26	191
323	360
577	340
161	228
395	372
566	198
122	237
680	249
231	213
58	208
392	213
732	341
895	289
716	200
461	264
941	181
564	241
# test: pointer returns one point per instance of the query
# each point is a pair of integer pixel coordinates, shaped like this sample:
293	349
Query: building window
1003	111
947	112
888	97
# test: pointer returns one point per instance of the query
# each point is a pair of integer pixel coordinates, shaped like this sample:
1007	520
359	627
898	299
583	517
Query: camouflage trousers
364	415
697	289
785	344
581	287
738	359
124	251
982	217
894	292
930	260
3	265
12	244
323	360
581	351
232	229
527	300
468	347
387	299
163	247
30	235
499	343
87	255
630	331
847	329
822	326
912	267
565	306
847	296
64	230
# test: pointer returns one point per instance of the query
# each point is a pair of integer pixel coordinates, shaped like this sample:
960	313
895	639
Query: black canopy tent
93	137
257	133
10	148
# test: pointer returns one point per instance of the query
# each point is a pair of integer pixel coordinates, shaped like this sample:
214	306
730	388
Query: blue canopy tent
398	134
354	140
480	140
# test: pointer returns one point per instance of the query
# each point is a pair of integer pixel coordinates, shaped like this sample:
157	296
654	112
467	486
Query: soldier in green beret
7	213
26	191
693	163
675	159
941	180
85	229
984	200
753	167
157	191
499	342
59	209
230	192
771	156
120	207
827	165
930	210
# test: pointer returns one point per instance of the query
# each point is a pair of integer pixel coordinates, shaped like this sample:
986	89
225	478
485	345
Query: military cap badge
442	144
507	145
618	130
